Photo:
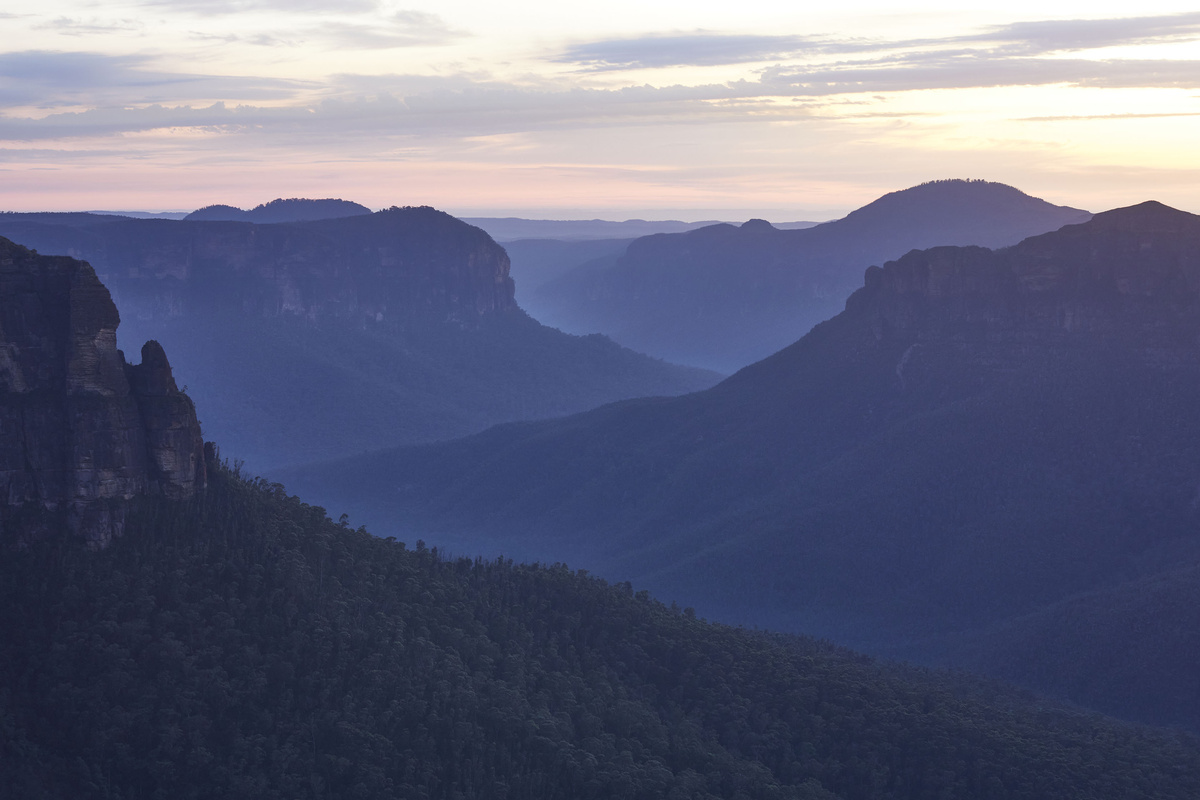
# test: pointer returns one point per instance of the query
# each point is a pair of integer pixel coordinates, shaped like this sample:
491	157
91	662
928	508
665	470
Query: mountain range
724	296
988	459
227	640
308	340
509	229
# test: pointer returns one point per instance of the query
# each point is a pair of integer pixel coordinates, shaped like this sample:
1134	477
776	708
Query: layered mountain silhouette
323	338
988	450
536	262
725	296
227	640
294	209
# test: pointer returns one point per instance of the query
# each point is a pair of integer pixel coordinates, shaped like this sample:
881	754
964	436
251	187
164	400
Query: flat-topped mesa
1131	273
81	431
397	267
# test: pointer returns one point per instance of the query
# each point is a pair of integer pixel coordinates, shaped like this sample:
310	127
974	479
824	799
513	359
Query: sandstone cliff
396	268
81	431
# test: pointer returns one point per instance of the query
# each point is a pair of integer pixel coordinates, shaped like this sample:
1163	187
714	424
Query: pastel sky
614	109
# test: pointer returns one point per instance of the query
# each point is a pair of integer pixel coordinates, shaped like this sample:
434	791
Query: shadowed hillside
983	443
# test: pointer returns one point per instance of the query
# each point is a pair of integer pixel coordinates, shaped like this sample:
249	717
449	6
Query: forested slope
242	645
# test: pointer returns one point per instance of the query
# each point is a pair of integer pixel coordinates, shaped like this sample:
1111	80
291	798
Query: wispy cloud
48	78
699	48
968	71
222	7
1091	117
388	31
1047	36
90	27
400	29
709	48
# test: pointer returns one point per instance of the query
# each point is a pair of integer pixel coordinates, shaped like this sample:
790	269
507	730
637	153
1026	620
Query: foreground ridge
242	645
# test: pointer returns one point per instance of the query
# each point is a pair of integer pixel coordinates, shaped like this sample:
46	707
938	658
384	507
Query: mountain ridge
981	434
725	296
294	209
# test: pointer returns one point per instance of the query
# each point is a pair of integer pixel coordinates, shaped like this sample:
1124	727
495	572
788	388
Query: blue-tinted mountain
725	296
508	229
536	262
294	209
986	451
231	641
311	340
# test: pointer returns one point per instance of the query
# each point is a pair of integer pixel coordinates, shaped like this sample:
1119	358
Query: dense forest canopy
242	645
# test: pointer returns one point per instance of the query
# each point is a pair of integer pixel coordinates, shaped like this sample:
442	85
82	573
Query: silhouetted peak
952	198
293	209
757	225
1148	216
217	213
297	209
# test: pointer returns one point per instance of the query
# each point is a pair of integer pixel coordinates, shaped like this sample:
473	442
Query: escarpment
81	431
396	268
1128	281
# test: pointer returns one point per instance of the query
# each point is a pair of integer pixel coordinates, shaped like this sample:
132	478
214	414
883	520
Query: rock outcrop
81	431
1128	280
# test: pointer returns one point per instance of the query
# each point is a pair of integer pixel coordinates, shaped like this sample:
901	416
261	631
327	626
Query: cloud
1047	36
398	29
129	94
212	8
967	71
386	108
1090	117
47	78
78	27
452	107
708	48
401	29
701	48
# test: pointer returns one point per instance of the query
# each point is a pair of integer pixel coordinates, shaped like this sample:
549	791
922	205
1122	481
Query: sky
619	109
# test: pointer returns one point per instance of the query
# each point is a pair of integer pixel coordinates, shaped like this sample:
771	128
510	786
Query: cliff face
399	267
1128	280
81	431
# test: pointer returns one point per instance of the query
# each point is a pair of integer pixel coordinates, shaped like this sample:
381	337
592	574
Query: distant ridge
511	229
294	209
725	296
